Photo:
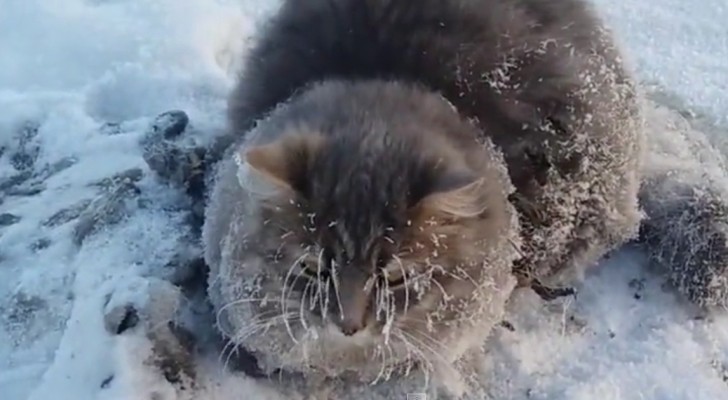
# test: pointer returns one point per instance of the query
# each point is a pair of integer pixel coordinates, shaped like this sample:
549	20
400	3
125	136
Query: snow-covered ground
80	82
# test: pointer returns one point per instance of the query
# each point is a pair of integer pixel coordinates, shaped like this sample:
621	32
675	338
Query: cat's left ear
457	193
281	166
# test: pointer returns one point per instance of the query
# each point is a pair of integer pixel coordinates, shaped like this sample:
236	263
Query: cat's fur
351	144
356	177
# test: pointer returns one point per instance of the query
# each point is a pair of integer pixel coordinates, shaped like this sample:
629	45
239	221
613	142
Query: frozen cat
364	222
356	227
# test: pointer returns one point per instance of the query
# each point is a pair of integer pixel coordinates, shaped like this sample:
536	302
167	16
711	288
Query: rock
27	153
183	168
155	316
129	176
110	128
24	306
58	166
67	214
107	382
15	180
180	166
108	209
181	269
40	244
170	124
31	189
120	319
7	219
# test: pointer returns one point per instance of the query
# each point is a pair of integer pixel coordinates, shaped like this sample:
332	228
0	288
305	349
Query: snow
75	66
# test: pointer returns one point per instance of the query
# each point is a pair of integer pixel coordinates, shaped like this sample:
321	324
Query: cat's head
377	236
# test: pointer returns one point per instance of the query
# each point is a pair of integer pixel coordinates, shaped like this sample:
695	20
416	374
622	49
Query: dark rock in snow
129	176
67	214
170	124
27	153
120	319
108	209
40	244
110	128
15	180
107	382
30	189
24	306
7	219
58	166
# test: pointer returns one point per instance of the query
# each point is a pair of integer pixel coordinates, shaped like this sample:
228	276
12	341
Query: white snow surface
72	66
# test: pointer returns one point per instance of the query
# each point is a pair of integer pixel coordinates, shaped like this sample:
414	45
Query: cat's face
374	245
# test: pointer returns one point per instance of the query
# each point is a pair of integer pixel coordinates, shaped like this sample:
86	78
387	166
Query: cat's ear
281	166
457	193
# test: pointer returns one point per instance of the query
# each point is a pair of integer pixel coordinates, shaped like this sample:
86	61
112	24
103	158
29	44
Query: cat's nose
350	326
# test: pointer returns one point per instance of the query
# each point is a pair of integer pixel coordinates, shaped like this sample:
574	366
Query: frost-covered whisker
421	359
287	288
323	303
447	296
335	280
218	314
380	350
305	297
257	323
422	345
405	278
389	303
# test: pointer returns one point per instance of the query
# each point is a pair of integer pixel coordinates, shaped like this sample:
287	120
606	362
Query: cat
398	167
361	218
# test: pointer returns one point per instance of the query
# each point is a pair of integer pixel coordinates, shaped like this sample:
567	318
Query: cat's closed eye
393	280
312	270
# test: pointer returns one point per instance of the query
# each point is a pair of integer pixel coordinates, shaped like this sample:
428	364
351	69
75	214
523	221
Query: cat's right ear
280	167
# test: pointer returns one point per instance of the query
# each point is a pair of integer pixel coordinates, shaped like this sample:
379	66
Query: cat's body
367	127
542	79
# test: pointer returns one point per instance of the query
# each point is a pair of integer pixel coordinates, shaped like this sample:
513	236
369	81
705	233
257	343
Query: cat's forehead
355	233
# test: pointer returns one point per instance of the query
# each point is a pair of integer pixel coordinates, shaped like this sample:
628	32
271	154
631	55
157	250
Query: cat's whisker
390	365
335	280
218	314
319	291
302	305
380	350
233	349
258	322
406	282
288	287
425	364
389	312
231	336
423	344
247	332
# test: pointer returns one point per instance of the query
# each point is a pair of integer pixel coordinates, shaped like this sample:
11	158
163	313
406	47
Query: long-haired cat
364	223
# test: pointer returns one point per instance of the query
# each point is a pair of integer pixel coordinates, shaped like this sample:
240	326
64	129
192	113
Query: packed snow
82	80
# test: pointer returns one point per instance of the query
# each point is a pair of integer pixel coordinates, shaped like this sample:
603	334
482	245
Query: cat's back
461	48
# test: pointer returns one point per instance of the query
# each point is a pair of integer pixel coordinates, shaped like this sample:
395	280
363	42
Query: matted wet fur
366	158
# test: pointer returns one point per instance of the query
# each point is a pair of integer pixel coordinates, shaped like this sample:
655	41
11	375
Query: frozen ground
80	81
